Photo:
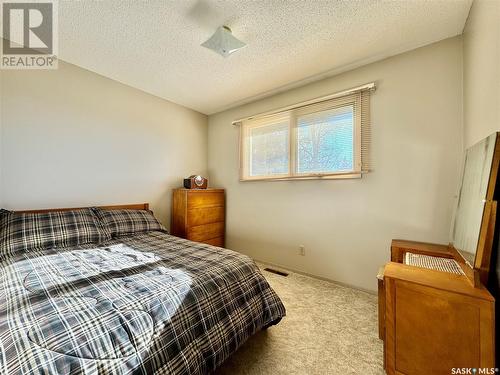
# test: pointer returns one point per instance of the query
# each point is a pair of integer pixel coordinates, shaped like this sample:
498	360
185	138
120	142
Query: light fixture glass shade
223	42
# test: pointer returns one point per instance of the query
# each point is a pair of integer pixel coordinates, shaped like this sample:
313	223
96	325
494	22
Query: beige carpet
329	329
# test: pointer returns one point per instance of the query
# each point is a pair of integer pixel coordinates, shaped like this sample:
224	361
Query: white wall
482	71
73	138
347	225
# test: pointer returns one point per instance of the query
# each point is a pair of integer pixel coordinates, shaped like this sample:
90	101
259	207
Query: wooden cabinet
436	315
433	321
199	215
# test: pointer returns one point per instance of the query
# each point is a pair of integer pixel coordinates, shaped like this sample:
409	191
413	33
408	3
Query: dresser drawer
204	199
199	215
205	232
205	215
219	241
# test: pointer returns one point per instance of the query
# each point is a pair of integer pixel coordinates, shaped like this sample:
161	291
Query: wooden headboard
139	206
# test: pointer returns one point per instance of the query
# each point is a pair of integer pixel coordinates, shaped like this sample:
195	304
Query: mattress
142	304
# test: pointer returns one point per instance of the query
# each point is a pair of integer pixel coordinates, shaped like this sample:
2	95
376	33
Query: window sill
309	177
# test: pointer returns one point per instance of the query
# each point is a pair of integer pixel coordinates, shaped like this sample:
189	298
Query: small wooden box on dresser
199	215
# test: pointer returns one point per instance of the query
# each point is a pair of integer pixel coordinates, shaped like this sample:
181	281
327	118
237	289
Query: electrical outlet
302	250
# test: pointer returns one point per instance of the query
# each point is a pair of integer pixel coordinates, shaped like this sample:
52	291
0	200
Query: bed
117	294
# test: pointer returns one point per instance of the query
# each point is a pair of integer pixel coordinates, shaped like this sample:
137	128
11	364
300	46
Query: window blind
324	137
366	132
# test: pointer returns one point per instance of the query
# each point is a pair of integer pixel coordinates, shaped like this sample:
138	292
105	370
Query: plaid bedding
126	222
142	304
24	232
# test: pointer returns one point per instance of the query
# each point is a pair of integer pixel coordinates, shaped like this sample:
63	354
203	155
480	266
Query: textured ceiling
155	45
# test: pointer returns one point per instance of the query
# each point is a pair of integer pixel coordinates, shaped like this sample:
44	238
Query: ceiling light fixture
223	42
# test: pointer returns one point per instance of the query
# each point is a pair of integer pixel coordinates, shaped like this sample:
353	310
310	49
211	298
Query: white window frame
245	156
351	98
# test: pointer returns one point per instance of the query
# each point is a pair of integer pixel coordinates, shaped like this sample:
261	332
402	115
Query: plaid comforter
143	304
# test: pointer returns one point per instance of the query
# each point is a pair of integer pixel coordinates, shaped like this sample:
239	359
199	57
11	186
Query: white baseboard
283	268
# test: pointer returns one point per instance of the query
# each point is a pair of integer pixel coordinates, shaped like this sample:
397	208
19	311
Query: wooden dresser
199	215
432	321
436	315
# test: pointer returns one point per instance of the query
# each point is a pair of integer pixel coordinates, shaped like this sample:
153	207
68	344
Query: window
326	138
